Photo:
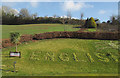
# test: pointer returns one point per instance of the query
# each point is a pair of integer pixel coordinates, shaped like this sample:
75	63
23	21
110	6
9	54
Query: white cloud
63	16
74	6
102	12
34	3
61	0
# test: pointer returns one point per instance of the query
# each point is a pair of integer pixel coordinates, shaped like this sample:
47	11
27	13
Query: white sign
15	54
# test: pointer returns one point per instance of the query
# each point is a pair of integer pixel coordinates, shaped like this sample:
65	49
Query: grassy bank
63	57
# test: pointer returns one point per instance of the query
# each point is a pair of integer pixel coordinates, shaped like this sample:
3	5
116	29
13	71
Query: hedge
79	35
66	34
23	38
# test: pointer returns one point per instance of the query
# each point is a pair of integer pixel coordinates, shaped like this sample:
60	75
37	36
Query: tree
54	16
15	38
63	20
24	13
9	10
90	23
81	21
34	16
86	23
114	20
108	21
81	16
69	16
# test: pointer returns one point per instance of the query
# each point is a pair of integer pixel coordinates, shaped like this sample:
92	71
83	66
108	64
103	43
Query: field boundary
78	34
65	34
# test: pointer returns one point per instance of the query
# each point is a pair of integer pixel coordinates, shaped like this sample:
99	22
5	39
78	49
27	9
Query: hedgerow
66	34
77	34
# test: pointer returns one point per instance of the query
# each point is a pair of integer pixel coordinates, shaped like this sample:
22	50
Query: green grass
59	57
34	28
91	29
75	59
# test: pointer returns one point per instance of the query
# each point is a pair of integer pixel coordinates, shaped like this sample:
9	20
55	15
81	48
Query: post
16	47
14	65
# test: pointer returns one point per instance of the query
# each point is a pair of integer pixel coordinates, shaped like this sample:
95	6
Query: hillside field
63	57
34	28
59	57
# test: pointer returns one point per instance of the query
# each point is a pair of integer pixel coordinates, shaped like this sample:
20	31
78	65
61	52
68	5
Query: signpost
15	54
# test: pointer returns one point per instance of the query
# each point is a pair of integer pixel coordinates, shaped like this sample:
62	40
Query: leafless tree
69	15
24	12
9	10
81	16
54	16
114	19
34	15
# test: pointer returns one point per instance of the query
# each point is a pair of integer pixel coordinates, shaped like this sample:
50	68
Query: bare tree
81	16
9	10
114	19
54	16
69	16
24	13
34	15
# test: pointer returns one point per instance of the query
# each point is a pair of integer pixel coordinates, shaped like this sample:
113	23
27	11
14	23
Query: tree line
12	17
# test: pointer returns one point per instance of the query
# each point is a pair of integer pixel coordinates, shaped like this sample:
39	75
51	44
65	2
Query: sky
100	10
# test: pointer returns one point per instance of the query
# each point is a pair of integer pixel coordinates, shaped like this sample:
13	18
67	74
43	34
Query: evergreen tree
90	23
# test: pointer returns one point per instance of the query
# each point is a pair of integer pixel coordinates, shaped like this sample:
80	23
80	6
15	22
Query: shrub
86	23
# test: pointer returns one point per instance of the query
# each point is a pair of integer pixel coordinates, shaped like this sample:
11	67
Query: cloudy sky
100	10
